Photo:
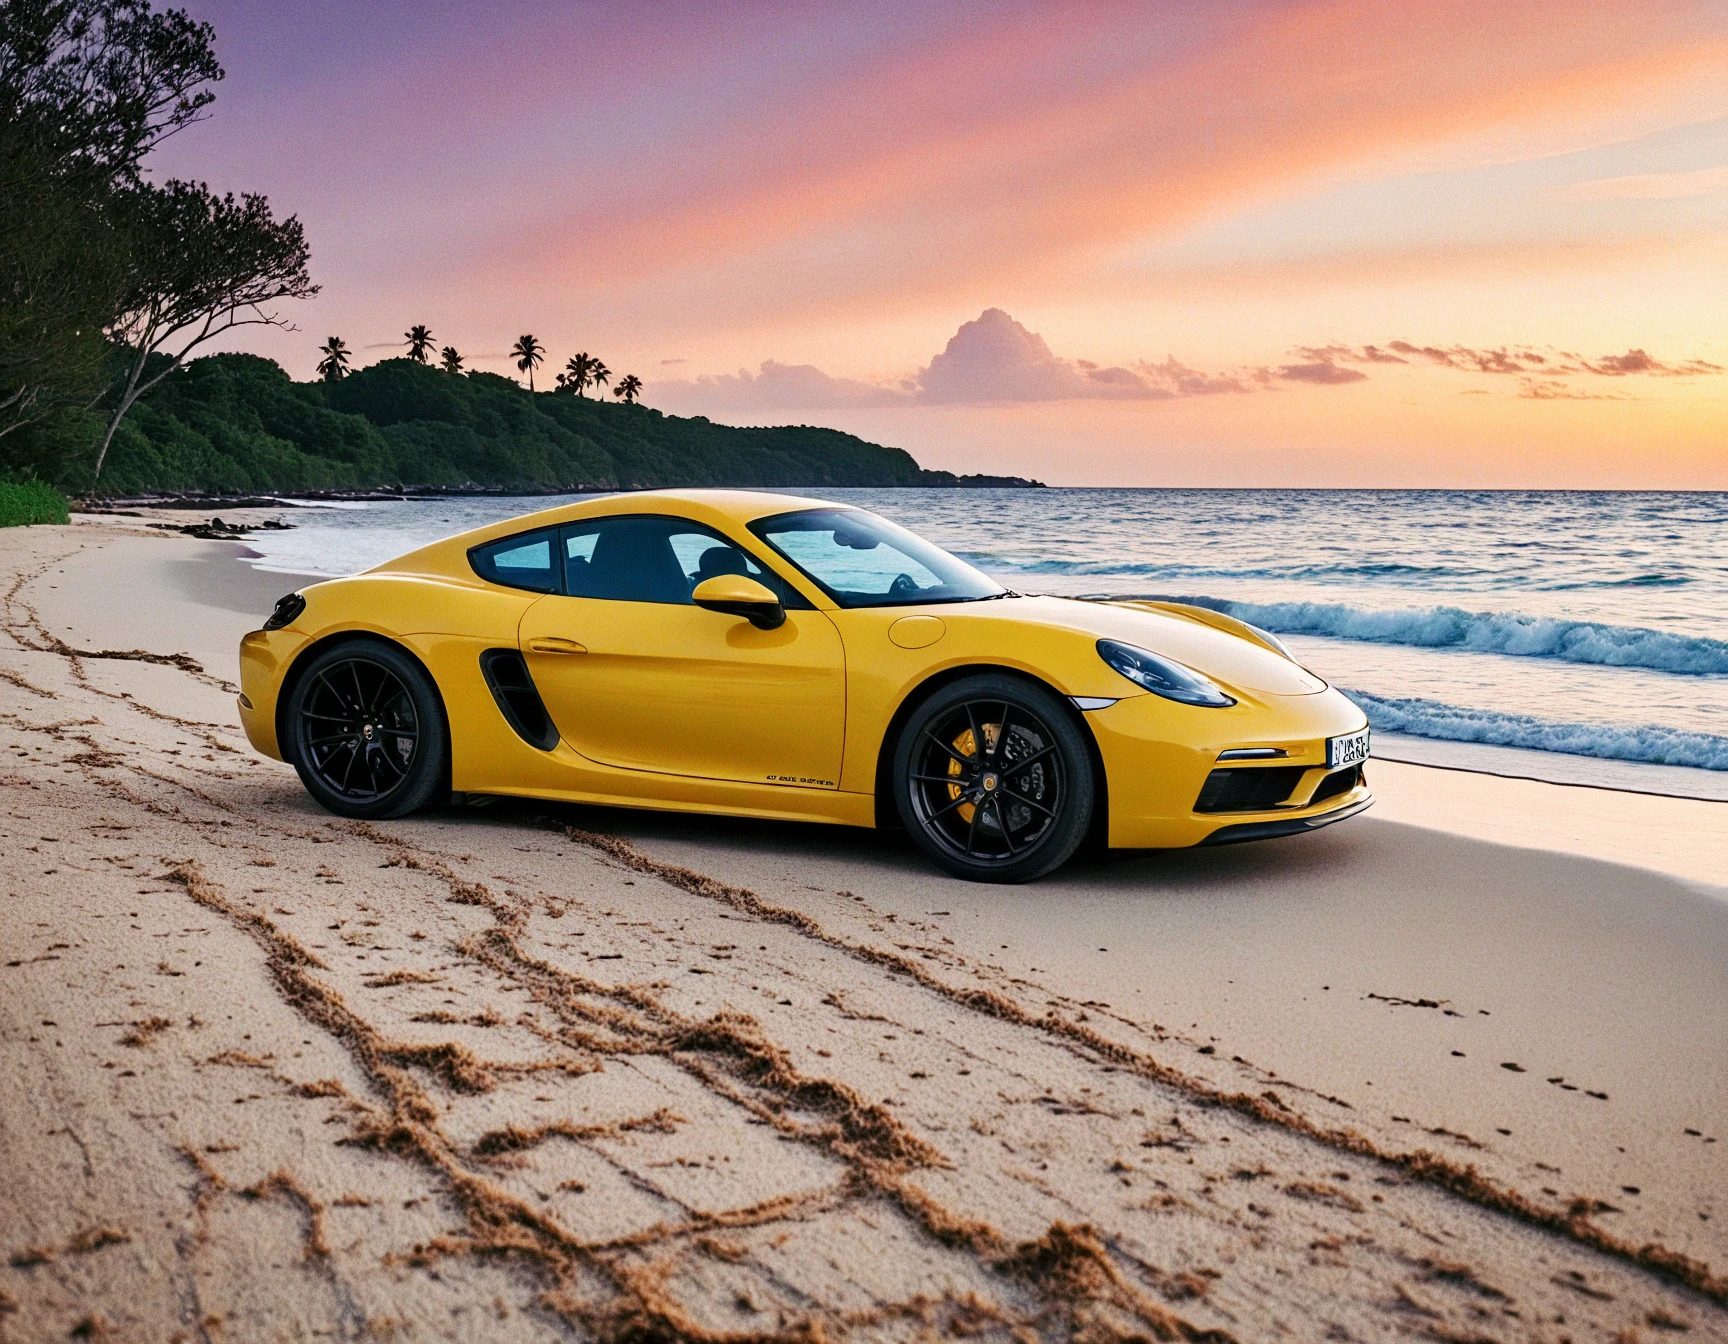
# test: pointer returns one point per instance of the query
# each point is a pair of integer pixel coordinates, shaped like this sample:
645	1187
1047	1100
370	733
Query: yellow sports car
762	655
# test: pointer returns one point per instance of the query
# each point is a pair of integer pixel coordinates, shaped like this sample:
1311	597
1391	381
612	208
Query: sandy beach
1457	1070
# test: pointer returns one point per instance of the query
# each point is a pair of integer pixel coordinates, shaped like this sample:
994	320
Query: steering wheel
904	586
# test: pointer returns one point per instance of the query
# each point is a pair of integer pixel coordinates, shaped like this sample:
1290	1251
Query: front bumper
1158	753
1238	832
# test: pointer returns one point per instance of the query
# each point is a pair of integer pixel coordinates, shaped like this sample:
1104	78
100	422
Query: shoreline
1561	783
1568	769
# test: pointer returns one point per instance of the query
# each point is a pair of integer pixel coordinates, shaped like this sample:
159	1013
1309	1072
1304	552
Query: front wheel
993	779
368	731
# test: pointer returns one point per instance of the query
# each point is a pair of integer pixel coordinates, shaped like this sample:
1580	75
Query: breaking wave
1646	743
1510	633
1412	575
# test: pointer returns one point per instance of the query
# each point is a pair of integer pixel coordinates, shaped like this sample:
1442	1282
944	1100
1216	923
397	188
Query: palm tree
419	338
451	361
334	366
577	371
599	375
529	354
629	388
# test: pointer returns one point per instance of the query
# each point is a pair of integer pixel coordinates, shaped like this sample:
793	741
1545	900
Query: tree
100	83
199	265
629	388
577	371
333	368
528	354
419	338
87	89
56	296
451	361
599	375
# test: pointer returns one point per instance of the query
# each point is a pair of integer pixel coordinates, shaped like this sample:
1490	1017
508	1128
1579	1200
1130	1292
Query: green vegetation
238	424
23	503
110	279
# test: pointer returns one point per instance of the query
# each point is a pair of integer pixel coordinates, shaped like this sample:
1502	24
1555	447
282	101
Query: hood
1230	659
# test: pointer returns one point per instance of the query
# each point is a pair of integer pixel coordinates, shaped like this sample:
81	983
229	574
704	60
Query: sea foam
1646	743
1512	633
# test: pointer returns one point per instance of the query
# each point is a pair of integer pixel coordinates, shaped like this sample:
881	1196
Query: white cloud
995	359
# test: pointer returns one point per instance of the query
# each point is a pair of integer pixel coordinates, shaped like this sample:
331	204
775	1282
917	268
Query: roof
717	508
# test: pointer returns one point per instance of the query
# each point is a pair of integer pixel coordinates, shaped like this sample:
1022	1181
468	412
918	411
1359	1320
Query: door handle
554	645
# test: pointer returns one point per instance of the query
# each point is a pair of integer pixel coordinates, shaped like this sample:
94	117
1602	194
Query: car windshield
861	560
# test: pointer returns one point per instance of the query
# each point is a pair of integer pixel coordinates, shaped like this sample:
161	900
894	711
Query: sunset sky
1268	243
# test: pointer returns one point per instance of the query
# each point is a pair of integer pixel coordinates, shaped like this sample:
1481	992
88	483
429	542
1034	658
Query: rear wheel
368	731
993	779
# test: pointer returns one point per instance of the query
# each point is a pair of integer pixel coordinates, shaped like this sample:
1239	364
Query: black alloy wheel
368	731
993	779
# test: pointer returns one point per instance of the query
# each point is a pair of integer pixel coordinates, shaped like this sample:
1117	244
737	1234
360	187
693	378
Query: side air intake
1253	789
507	677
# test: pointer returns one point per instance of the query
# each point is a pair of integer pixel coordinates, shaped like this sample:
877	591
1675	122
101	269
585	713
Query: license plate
1351	749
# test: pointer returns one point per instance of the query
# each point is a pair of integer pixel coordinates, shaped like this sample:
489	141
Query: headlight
1273	640
1161	676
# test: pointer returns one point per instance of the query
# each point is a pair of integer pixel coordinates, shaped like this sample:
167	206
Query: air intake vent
1339	781
507	676
1250	789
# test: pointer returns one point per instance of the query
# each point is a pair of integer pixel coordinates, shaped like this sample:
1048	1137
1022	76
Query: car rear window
519	562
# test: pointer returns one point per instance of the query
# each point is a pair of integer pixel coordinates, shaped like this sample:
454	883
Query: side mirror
740	595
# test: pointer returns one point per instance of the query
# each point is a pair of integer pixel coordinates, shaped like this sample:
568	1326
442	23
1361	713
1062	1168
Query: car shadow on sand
818	851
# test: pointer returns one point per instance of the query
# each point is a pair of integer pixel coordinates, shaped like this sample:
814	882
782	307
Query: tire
1018	812
368	731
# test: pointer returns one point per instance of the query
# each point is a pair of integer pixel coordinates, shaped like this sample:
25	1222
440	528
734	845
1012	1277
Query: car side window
518	562
655	559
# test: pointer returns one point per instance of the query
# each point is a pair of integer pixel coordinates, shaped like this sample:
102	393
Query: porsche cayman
761	655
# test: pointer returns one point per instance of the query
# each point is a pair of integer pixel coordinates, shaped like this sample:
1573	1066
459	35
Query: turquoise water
1592	624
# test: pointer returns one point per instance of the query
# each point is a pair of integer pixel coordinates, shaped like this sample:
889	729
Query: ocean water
1586	625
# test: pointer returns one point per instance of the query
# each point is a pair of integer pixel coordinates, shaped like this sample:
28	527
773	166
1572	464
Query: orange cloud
1511	361
1475	361
1187	382
919	177
1322	372
1636	361
1552	389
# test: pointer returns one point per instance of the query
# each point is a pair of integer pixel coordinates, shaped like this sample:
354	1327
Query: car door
634	674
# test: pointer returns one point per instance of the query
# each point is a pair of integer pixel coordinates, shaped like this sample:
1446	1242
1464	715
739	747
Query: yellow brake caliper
965	745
